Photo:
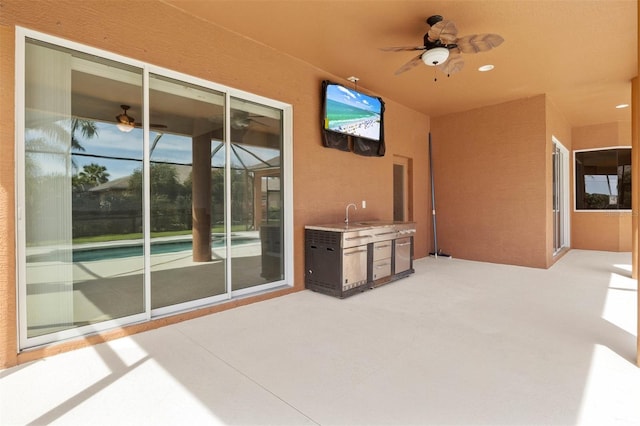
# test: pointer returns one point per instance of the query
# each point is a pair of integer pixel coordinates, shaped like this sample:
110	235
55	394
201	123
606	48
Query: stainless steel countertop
359	226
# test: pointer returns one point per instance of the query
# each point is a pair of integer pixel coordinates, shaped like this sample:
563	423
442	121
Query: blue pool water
156	248
120	252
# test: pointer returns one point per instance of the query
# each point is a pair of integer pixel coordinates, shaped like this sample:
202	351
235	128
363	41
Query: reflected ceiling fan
241	119
442	46
126	123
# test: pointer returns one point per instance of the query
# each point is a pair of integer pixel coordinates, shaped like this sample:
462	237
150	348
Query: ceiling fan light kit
435	56
125	123
126	128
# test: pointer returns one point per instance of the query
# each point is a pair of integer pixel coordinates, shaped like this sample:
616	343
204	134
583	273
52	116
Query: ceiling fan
442	46
126	123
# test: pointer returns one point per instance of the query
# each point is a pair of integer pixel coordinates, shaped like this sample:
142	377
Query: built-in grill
341	260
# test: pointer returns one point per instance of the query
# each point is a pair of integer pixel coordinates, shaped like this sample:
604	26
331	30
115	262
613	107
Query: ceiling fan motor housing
433	44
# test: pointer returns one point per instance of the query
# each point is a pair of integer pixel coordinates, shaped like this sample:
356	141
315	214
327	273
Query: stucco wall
324	180
610	231
490	167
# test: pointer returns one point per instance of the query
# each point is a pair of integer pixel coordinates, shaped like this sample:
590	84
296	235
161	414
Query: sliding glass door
143	191
560	190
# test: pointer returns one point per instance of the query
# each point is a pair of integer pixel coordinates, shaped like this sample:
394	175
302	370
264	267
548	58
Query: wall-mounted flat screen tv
352	113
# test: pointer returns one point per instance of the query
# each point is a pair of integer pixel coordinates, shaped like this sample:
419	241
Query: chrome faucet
346	219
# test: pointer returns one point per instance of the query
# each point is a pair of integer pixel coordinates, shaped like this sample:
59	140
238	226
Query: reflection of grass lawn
135	236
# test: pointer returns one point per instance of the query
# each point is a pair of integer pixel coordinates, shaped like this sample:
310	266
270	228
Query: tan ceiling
582	54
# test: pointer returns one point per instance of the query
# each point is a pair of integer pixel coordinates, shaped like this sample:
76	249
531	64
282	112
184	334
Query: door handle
357	238
355	252
385	233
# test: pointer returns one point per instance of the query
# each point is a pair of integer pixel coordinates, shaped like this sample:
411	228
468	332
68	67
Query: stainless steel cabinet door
402	261
354	267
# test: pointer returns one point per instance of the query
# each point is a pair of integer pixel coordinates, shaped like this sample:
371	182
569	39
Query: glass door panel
256	227
83	212
186	192
560	192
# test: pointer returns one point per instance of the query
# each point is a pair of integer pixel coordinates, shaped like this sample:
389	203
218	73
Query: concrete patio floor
458	342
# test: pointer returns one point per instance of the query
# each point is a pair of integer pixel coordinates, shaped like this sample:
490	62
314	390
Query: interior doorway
402	189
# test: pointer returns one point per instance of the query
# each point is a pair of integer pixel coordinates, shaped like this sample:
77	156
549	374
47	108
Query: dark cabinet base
324	265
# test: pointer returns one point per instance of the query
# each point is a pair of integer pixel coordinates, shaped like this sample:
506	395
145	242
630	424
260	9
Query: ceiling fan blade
452	65
445	31
409	65
475	43
153	126
402	48
253	120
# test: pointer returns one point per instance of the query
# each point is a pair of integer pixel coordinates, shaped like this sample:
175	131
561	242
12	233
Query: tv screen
352	113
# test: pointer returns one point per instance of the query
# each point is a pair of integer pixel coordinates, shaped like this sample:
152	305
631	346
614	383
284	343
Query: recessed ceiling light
622	106
486	68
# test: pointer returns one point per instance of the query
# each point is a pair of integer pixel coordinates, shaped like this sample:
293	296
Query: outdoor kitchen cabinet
341	260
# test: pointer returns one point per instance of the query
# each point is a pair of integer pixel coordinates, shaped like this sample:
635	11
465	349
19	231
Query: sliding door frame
286	172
